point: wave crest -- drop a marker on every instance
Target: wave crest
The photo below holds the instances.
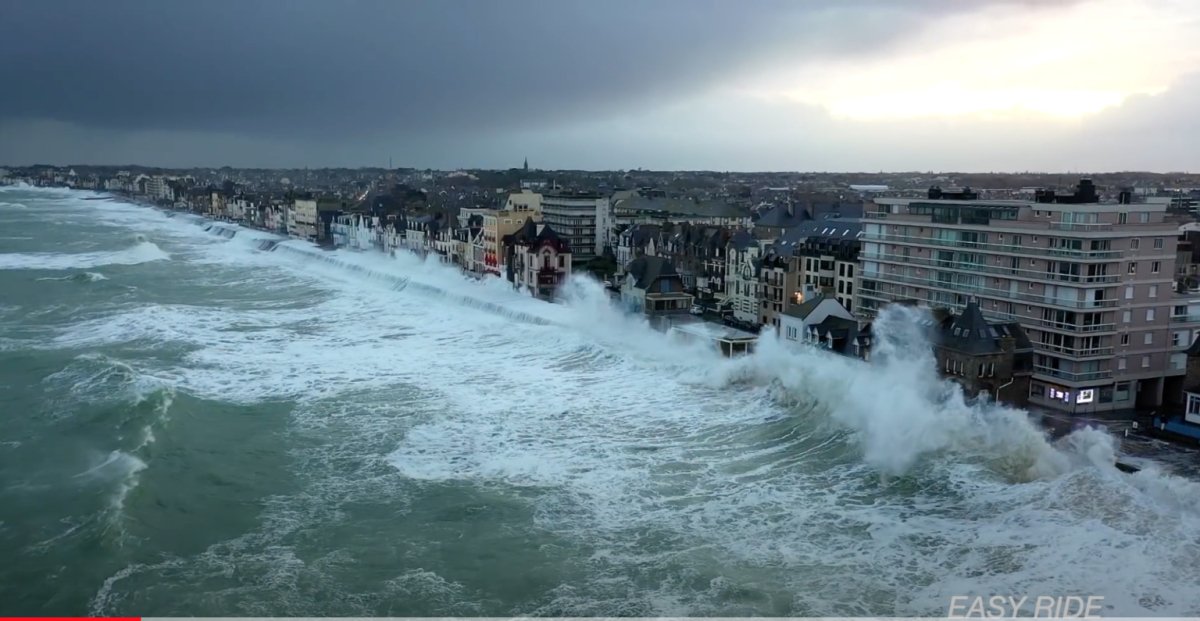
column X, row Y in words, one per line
column 143, row 251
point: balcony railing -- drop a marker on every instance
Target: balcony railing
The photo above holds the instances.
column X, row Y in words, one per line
column 999, row 294
column 985, row 269
column 1072, row 377
column 1008, row 249
column 1074, row 352
column 1185, row 319
column 1081, row 226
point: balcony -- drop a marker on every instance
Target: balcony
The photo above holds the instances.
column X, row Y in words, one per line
column 1185, row 319
column 999, row 294
column 1081, row 226
column 985, row 269
column 1006, row 249
column 1075, row 353
column 1071, row 377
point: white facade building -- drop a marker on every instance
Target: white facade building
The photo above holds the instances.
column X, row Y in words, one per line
column 302, row 219
column 582, row 219
column 743, row 291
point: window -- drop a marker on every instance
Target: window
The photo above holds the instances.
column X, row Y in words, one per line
column 1149, row 314
column 1120, row 364
column 1129, row 292
column 1149, row 339
column 1134, row 243
column 1127, row 316
column 1145, row 362
column 1133, row 268
column 1143, row 217
column 1124, row 339
column 1154, row 267
column 1121, row 392
column 1158, row 243
column 1123, row 218
column 1154, row 288
column 1176, row 337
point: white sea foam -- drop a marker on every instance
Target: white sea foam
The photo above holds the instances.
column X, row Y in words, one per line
column 140, row 252
column 80, row 277
column 759, row 477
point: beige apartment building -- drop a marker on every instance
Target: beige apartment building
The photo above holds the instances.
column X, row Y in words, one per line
column 1091, row 283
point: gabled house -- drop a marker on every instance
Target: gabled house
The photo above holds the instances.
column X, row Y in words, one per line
column 996, row 359
column 537, row 260
column 653, row 286
column 779, row 277
column 822, row 321
column 742, row 287
column 638, row 240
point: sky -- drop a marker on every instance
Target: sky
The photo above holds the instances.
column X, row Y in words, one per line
column 799, row 85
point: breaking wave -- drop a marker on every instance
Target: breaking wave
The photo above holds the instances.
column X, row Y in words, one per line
column 81, row 277
column 636, row 475
column 141, row 252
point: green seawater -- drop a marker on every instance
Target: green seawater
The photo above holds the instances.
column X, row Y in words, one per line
column 191, row 425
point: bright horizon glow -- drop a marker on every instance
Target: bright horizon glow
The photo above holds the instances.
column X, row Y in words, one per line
column 1002, row 64
column 952, row 100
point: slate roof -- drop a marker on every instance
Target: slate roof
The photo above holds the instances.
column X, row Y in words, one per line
column 710, row 208
column 530, row 236
column 647, row 270
column 805, row 308
column 970, row 333
column 742, row 240
column 780, row 218
column 845, row 332
column 641, row 234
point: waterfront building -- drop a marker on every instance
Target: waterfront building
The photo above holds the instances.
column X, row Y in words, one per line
column 698, row 252
column 995, row 359
column 582, row 219
column 536, row 260
column 652, row 286
column 301, row 217
column 1091, row 283
column 495, row 224
column 821, row 321
column 779, row 277
column 635, row 241
column 525, row 201
column 828, row 257
column 743, row 289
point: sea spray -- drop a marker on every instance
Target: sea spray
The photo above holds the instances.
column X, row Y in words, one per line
column 142, row 251
column 416, row 431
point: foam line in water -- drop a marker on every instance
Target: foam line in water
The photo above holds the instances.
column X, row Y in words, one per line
column 142, row 251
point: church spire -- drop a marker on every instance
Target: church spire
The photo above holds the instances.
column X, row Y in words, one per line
column 526, row 164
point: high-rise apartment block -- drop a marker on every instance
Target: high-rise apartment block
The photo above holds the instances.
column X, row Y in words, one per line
column 1092, row 284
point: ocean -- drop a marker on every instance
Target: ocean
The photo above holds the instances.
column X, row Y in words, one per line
column 197, row 421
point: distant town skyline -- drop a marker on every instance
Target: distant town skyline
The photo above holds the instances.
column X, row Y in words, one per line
column 858, row 85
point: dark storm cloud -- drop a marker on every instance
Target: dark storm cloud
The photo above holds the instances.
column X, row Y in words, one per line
column 327, row 70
